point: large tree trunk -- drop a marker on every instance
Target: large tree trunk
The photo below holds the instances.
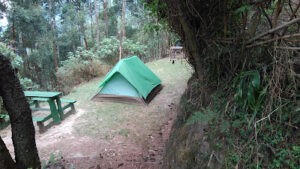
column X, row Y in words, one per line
column 6, row 162
column 105, row 17
column 23, row 134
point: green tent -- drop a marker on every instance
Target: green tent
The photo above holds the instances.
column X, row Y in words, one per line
column 129, row 81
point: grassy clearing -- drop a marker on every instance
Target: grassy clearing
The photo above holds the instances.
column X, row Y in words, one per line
column 106, row 119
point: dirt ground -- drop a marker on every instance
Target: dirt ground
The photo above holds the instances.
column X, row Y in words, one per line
column 137, row 142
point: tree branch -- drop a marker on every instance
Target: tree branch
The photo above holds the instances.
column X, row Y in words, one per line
column 292, row 16
column 274, row 30
column 266, row 15
column 274, row 39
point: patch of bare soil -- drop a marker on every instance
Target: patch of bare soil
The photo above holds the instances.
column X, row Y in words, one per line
column 145, row 151
column 126, row 154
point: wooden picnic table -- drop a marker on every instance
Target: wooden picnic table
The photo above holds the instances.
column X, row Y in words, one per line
column 55, row 104
column 53, row 98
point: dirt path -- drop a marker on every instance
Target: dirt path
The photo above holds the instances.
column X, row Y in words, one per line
column 113, row 135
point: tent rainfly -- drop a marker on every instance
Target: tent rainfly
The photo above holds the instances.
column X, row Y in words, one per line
column 130, row 81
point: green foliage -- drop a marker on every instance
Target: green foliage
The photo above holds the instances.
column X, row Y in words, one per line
column 45, row 32
column 82, row 66
column 17, row 63
column 109, row 50
column 204, row 117
column 238, row 139
column 241, row 10
column 28, row 84
column 54, row 161
column 15, row 59
column 250, row 95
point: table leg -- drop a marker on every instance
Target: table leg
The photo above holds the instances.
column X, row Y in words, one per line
column 36, row 103
column 60, row 110
column 54, row 111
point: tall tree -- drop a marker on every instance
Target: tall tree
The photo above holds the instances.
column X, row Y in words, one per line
column 23, row 133
column 105, row 17
column 97, row 24
column 90, row 6
column 123, row 18
column 53, row 31
column 122, row 32
column 120, row 47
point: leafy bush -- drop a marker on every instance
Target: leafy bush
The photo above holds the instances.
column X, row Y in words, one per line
column 80, row 67
column 28, row 84
column 109, row 49
column 15, row 59
column 250, row 95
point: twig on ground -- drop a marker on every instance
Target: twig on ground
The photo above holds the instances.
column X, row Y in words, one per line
column 210, row 158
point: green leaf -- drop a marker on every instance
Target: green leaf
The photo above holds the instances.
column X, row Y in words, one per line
column 256, row 80
column 262, row 95
column 252, row 118
column 250, row 96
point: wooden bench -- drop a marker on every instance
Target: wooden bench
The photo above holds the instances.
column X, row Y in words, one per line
column 35, row 102
column 70, row 104
column 40, row 121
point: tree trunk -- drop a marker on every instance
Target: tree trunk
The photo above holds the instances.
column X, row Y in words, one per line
column 13, row 35
column 85, row 42
column 121, row 48
column 6, row 162
column 84, row 37
column 123, row 19
column 91, row 17
column 55, row 56
column 123, row 31
column 277, row 12
column 105, row 17
column 23, row 134
column 164, row 44
column 74, row 48
column 54, row 46
column 97, row 24
column 58, row 55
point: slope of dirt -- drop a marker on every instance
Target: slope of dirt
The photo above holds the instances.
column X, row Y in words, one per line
column 113, row 135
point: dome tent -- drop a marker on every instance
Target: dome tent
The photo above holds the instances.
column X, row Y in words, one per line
column 130, row 81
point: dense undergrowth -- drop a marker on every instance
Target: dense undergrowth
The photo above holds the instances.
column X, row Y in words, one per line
column 223, row 134
column 240, row 109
